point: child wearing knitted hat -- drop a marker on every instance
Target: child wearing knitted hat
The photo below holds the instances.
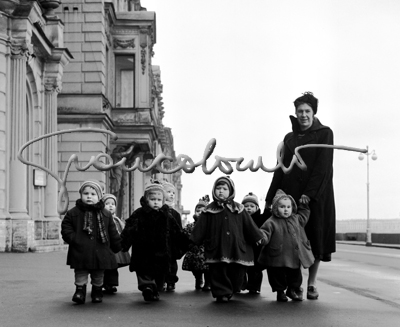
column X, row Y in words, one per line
column 194, row 260
column 89, row 230
column 155, row 237
column 172, row 277
column 111, row 276
column 228, row 233
column 286, row 247
column 254, row 275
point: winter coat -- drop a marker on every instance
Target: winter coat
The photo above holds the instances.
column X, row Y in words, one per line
column 228, row 236
column 315, row 182
column 123, row 258
column 194, row 259
column 155, row 238
column 286, row 244
column 87, row 251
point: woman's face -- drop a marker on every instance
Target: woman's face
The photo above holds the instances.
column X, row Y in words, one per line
column 305, row 116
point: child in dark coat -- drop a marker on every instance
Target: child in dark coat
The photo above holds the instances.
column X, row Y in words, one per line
column 91, row 234
column 286, row 247
column 155, row 238
column 194, row 259
column 254, row 273
column 111, row 276
column 228, row 234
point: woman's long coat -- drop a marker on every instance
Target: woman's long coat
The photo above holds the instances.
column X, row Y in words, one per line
column 287, row 244
column 86, row 251
column 315, row 182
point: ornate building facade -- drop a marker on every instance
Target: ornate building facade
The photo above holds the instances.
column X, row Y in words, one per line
column 66, row 65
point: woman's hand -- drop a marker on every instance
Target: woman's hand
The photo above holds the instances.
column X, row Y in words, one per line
column 304, row 199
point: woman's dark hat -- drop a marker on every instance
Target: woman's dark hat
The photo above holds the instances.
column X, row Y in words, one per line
column 310, row 99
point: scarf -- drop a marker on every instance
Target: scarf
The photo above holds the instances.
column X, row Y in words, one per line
column 93, row 213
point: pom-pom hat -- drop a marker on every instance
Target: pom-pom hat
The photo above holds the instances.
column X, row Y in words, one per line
column 203, row 202
column 93, row 185
column 109, row 196
column 154, row 185
column 308, row 98
column 251, row 197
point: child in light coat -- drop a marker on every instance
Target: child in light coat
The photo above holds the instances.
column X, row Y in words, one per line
column 286, row 247
column 89, row 230
column 228, row 234
column 111, row 276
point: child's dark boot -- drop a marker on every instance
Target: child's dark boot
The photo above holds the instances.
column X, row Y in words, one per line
column 281, row 296
column 80, row 294
column 97, row 294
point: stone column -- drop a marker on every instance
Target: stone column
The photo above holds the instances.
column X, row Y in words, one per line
column 53, row 71
column 18, row 133
column 50, row 158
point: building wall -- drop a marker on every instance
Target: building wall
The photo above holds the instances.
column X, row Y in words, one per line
column 32, row 58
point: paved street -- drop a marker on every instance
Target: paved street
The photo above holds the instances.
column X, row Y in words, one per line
column 36, row 290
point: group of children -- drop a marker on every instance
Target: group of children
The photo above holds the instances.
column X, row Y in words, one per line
column 227, row 247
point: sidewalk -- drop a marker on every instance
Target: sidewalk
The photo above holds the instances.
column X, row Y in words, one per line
column 36, row 290
column 378, row 245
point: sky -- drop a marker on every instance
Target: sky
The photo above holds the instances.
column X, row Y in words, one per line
column 231, row 70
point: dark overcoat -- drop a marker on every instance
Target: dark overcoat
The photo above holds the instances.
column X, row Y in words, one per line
column 155, row 238
column 315, row 182
column 227, row 236
column 286, row 242
column 87, row 251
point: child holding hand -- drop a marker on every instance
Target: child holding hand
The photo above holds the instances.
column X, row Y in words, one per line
column 91, row 234
column 228, row 233
column 286, row 247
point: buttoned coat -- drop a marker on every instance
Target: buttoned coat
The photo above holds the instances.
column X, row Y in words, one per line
column 315, row 182
column 155, row 238
column 286, row 244
column 228, row 236
column 87, row 251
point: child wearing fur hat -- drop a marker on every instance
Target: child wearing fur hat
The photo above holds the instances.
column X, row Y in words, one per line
column 111, row 276
column 155, row 237
column 286, row 247
column 194, row 260
column 228, row 233
column 172, row 277
column 254, row 277
column 89, row 230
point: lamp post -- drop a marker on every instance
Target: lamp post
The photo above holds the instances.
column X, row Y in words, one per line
column 373, row 157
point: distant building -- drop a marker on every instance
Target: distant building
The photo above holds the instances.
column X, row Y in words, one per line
column 67, row 65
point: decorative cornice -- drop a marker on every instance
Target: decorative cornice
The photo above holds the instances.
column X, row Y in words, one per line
column 124, row 44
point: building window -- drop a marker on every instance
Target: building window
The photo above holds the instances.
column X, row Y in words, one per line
column 125, row 81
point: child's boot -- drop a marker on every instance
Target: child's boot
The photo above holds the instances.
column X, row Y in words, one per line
column 80, row 294
column 207, row 282
column 199, row 280
column 97, row 294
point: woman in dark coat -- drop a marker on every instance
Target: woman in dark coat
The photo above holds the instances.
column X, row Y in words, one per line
column 312, row 186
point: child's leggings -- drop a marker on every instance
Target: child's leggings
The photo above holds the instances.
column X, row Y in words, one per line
column 226, row 278
column 281, row 278
column 96, row 276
